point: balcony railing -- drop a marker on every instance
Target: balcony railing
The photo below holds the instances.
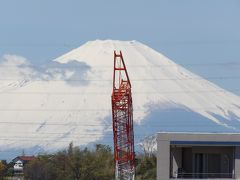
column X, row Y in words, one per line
column 203, row 175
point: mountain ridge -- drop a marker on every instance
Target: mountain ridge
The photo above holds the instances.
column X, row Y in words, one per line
column 69, row 98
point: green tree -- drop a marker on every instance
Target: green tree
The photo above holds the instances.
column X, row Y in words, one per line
column 2, row 169
column 104, row 163
column 146, row 167
column 10, row 170
column 41, row 168
column 73, row 164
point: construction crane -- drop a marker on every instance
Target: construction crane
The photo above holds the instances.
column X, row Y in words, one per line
column 122, row 117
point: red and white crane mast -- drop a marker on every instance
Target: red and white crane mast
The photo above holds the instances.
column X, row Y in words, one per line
column 122, row 116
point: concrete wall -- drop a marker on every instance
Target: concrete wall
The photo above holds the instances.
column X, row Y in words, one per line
column 163, row 157
column 237, row 162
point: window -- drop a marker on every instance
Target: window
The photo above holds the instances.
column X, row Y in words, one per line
column 201, row 162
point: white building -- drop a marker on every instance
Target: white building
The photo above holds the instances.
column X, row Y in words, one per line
column 18, row 166
column 198, row 156
column 19, row 163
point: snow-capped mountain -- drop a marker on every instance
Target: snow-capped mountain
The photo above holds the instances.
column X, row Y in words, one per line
column 69, row 99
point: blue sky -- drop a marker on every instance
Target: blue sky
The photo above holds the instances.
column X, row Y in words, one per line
column 190, row 32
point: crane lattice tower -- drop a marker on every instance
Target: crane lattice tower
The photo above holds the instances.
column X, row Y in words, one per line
column 122, row 116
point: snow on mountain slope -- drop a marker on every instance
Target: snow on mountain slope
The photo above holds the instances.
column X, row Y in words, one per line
column 69, row 98
column 157, row 85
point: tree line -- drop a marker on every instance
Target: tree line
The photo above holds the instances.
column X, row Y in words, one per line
column 81, row 164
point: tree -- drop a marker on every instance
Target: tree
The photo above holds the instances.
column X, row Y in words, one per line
column 146, row 167
column 41, row 168
column 73, row 163
column 2, row 169
column 104, row 162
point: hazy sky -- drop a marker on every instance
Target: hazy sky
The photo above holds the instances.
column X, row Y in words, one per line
column 202, row 35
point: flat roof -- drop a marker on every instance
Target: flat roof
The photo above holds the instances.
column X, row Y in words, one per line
column 195, row 138
column 166, row 132
column 209, row 143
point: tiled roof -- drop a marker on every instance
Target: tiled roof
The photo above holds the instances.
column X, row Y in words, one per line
column 26, row 158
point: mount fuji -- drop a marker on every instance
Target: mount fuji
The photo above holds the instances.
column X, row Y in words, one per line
column 69, row 99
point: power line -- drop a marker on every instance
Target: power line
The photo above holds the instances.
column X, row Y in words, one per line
column 110, row 80
column 37, row 45
column 62, row 65
column 107, row 94
column 174, row 124
column 124, row 44
column 40, row 123
column 68, row 139
column 58, row 110
column 109, row 110
column 53, row 140
column 108, row 133
column 40, row 138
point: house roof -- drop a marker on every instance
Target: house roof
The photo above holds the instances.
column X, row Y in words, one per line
column 24, row 158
